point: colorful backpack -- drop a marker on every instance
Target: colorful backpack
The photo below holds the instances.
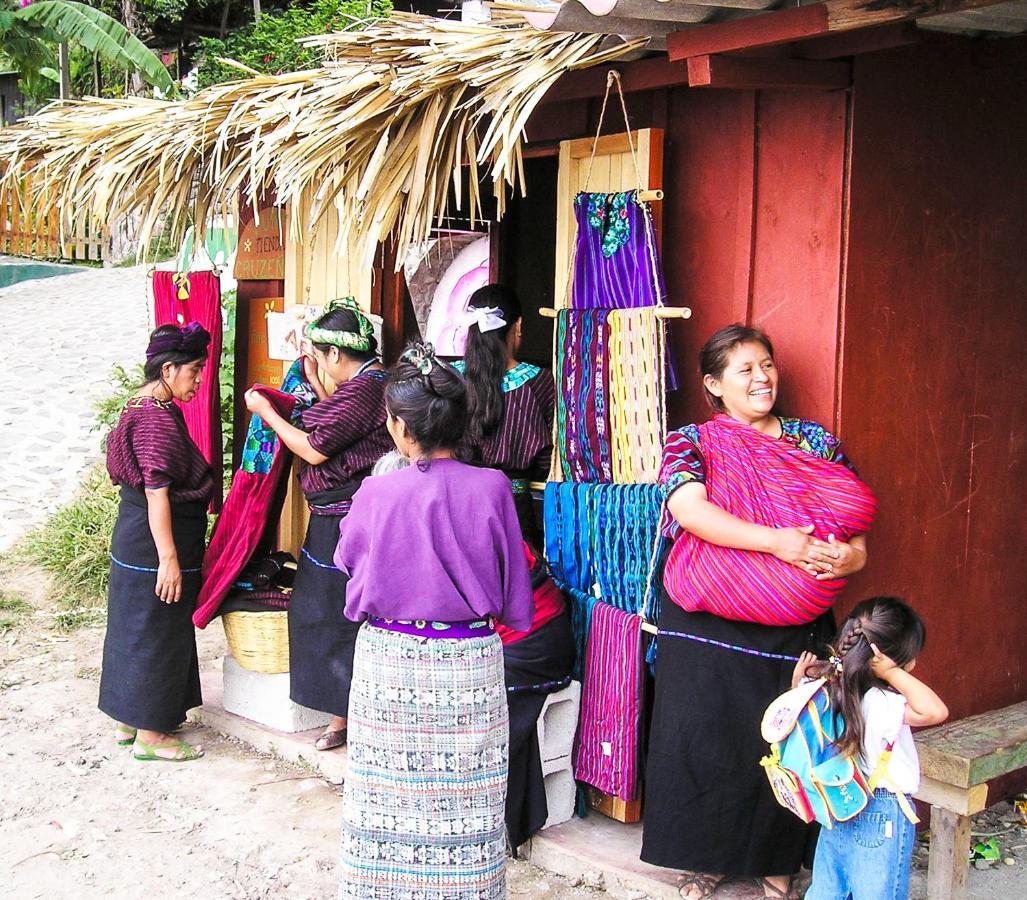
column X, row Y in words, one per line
column 808, row 774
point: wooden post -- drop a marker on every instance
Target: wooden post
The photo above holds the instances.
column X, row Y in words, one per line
column 950, row 849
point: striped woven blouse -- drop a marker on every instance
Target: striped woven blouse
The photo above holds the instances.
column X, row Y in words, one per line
column 349, row 428
column 150, row 448
column 523, row 443
column 683, row 459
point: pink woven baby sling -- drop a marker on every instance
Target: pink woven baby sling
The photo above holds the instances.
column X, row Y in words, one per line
column 770, row 482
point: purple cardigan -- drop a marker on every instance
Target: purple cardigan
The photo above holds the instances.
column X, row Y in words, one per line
column 441, row 544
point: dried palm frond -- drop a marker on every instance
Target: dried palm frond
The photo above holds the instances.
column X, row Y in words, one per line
column 378, row 132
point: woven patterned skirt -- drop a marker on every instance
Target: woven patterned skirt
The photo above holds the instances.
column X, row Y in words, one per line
column 423, row 803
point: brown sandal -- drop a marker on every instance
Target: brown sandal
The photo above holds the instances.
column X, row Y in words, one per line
column 705, row 883
column 331, row 739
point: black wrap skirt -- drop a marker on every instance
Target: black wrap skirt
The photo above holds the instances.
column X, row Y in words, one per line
column 535, row 667
column 322, row 640
column 150, row 675
column 708, row 805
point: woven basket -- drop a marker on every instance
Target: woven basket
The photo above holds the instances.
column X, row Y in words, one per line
column 259, row 641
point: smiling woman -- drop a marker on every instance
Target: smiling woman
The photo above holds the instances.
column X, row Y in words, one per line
column 766, row 521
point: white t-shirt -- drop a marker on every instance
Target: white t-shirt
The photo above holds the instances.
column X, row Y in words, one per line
column 883, row 713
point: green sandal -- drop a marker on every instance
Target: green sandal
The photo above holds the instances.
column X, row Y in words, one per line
column 178, row 752
column 124, row 735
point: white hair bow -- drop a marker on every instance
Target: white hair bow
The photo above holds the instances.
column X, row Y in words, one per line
column 486, row 318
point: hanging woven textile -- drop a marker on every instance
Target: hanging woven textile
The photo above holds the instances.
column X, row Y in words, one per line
column 616, row 265
column 638, row 418
column 178, row 298
column 249, row 521
column 603, row 535
column 606, row 751
column 583, row 373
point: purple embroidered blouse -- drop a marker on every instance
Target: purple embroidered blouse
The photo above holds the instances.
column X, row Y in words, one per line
column 349, row 428
column 441, row 544
column 150, row 448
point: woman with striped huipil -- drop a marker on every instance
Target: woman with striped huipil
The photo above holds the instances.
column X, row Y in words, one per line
column 766, row 522
column 510, row 428
column 338, row 440
column 150, row 676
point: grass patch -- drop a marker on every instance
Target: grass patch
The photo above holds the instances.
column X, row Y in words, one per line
column 13, row 609
column 74, row 546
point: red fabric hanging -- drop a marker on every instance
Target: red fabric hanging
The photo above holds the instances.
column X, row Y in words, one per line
column 251, row 513
column 202, row 304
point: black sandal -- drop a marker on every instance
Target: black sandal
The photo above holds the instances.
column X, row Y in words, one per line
column 707, row 884
column 777, row 894
column 331, row 739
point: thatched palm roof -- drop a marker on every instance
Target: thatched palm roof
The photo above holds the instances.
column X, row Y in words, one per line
column 379, row 131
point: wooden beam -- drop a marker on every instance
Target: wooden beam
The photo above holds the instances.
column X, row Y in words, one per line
column 756, row 31
column 747, row 73
column 950, row 848
column 964, row 801
column 642, row 75
column 864, row 40
column 805, row 22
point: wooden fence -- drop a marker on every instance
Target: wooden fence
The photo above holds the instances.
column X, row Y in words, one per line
column 24, row 233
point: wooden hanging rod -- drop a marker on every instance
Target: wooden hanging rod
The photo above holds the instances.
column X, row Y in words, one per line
column 662, row 312
column 650, row 196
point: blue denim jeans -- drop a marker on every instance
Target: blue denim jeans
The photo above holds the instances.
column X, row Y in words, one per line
column 867, row 858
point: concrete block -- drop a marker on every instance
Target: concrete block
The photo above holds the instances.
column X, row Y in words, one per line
column 560, row 795
column 265, row 699
column 557, row 725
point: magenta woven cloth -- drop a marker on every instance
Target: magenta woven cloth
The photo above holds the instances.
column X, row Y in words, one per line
column 203, row 414
column 606, row 752
column 250, row 516
column 769, row 482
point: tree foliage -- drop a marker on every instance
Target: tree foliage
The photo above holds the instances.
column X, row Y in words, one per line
column 30, row 33
column 270, row 46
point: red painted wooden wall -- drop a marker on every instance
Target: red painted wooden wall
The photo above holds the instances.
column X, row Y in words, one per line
column 934, row 373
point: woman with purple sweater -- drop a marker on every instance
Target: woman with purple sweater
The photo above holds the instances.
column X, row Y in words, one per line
column 434, row 557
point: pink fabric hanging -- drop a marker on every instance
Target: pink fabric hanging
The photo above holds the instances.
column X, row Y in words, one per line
column 203, row 305
column 606, row 752
column 251, row 509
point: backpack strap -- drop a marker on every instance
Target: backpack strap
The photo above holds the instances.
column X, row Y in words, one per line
column 879, row 778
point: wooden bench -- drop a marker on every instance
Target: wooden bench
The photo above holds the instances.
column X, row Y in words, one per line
column 956, row 761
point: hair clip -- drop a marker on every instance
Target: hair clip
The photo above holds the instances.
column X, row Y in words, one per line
column 487, row 318
column 421, row 357
column 836, row 663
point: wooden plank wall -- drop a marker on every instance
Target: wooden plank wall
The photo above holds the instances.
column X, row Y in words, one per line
column 24, row 233
column 933, row 380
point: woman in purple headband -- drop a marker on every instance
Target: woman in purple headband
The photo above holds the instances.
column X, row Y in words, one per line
column 150, row 674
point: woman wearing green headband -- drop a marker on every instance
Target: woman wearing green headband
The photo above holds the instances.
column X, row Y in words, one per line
column 338, row 440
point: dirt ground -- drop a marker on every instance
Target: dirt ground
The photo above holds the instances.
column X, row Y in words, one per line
column 79, row 817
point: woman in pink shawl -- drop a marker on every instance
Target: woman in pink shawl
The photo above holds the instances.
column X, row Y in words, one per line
column 766, row 521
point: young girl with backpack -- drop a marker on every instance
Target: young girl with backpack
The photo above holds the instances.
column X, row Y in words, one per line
column 871, row 686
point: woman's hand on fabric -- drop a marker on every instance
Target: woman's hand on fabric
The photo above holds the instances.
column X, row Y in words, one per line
column 806, row 659
column 257, row 403
column 792, row 545
column 836, row 559
column 169, row 581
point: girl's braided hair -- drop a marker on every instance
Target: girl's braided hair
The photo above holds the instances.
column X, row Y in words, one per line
column 896, row 630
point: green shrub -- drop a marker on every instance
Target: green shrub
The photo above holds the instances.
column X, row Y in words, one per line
column 269, row 46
